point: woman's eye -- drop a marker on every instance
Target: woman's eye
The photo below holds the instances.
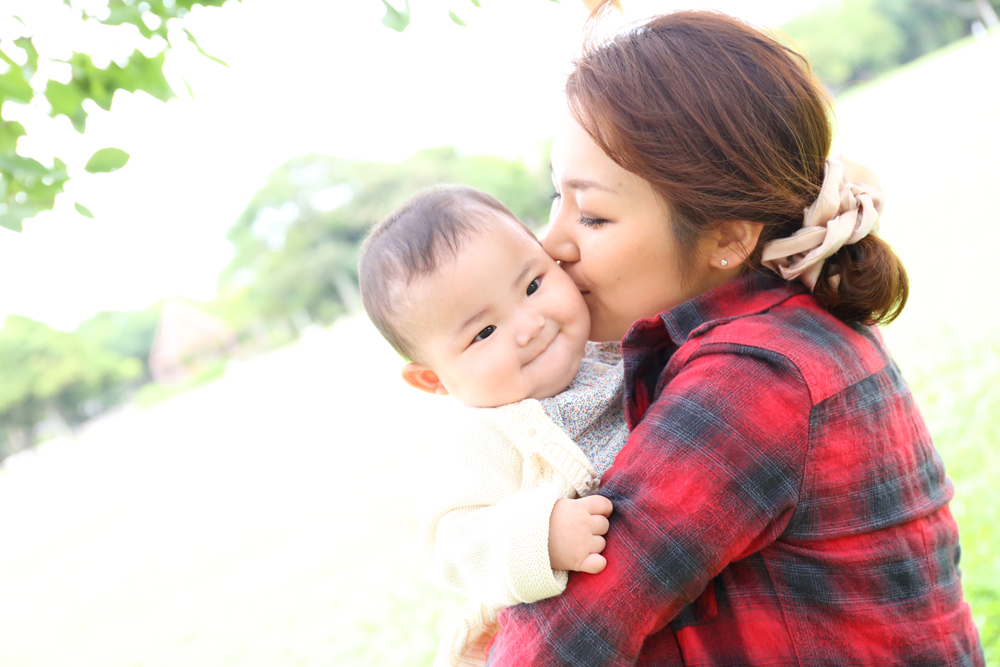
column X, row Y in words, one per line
column 592, row 222
column 533, row 286
column 555, row 195
column 485, row 333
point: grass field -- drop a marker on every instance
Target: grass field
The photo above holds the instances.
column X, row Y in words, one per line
column 267, row 518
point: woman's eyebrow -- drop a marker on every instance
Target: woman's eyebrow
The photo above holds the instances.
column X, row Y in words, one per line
column 584, row 184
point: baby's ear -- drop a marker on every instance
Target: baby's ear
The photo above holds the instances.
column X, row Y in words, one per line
column 422, row 378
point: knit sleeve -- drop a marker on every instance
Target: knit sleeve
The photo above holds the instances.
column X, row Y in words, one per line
column 483, row 535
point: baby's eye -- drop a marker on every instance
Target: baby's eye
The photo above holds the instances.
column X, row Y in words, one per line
column 592, row 222
column 533, row 286
column 485, row 333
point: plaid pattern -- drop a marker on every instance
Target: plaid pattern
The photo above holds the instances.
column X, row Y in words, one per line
column 779, row 502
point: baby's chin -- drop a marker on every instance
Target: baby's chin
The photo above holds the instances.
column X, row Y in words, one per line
column 538, row 393
column 566, row 377
column 563, row 376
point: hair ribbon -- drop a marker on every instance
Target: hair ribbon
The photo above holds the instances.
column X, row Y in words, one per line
column 846, row 211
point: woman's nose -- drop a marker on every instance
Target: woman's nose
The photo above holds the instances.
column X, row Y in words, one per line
column 529, row 327
column 558, row 242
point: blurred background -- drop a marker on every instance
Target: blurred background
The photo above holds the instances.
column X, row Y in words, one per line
column 207, row 455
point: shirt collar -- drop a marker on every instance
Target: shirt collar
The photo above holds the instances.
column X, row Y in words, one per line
column 749, row 294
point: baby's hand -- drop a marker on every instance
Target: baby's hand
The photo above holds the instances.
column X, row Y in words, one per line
column 575, row 530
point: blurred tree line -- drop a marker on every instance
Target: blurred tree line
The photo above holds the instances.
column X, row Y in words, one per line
column 856, row 40
column 65, row 378
column 294, row 263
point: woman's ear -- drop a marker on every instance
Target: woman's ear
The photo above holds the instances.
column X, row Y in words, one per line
column 422, row 378
column 734, row 241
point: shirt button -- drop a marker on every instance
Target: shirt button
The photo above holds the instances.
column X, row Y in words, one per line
column 531, row 432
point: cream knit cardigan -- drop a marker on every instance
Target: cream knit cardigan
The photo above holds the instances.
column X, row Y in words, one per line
column 486, row 530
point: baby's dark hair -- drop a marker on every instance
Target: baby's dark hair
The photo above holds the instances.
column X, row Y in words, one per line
column 411, row 242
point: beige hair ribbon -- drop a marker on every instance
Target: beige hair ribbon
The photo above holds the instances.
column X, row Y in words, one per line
column 847, row 210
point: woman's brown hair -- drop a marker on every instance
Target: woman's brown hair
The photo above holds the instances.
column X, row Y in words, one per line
column 726, row 123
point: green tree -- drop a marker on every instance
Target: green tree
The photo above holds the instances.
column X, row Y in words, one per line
column 128, row 334
column 48, row 372
column 28, row 187
column 926, row 25
column 849, row 42
column 296, row 243
column 855, row 40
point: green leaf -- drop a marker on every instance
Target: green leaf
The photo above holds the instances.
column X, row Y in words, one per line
column 67, row 99
column 395, row 19
column 454, row 17
column 83, row 210
column 139, row 73
column 476, row 3
column 12, row 213
column 26, row 44
column 22, row 167
column 202, row 51
column 188, row 4
column 107, row 159
column 13, row 84
column 11, row 223
column 120, row 13
column 10, row 132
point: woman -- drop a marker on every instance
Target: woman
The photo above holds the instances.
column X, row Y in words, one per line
column 779, row 501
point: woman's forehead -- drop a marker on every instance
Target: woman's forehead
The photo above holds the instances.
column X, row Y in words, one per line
column 578, row 163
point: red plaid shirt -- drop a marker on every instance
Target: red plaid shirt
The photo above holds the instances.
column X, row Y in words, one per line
column 779, row 502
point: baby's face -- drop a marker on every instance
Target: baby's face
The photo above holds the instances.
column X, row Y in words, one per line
column 501, row 322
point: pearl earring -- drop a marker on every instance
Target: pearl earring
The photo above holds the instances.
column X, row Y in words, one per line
column 724, row 263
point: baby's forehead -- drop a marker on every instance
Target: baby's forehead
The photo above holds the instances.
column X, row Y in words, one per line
column 489, row 220
column 447, row 256
column 410, row 291
column 416, row 299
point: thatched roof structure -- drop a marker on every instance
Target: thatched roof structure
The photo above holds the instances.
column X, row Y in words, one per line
column 185, row 337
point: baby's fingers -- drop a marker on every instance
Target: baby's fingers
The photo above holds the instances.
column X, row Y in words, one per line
column 593, row 563
column 598, row 505
column 599, row 524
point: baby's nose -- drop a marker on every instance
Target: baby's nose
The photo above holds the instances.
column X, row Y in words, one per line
column 531, row 326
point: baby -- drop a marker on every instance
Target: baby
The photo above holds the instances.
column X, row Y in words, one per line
column 459, row 286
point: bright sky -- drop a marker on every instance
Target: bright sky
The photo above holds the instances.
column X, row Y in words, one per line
column 305, row 76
